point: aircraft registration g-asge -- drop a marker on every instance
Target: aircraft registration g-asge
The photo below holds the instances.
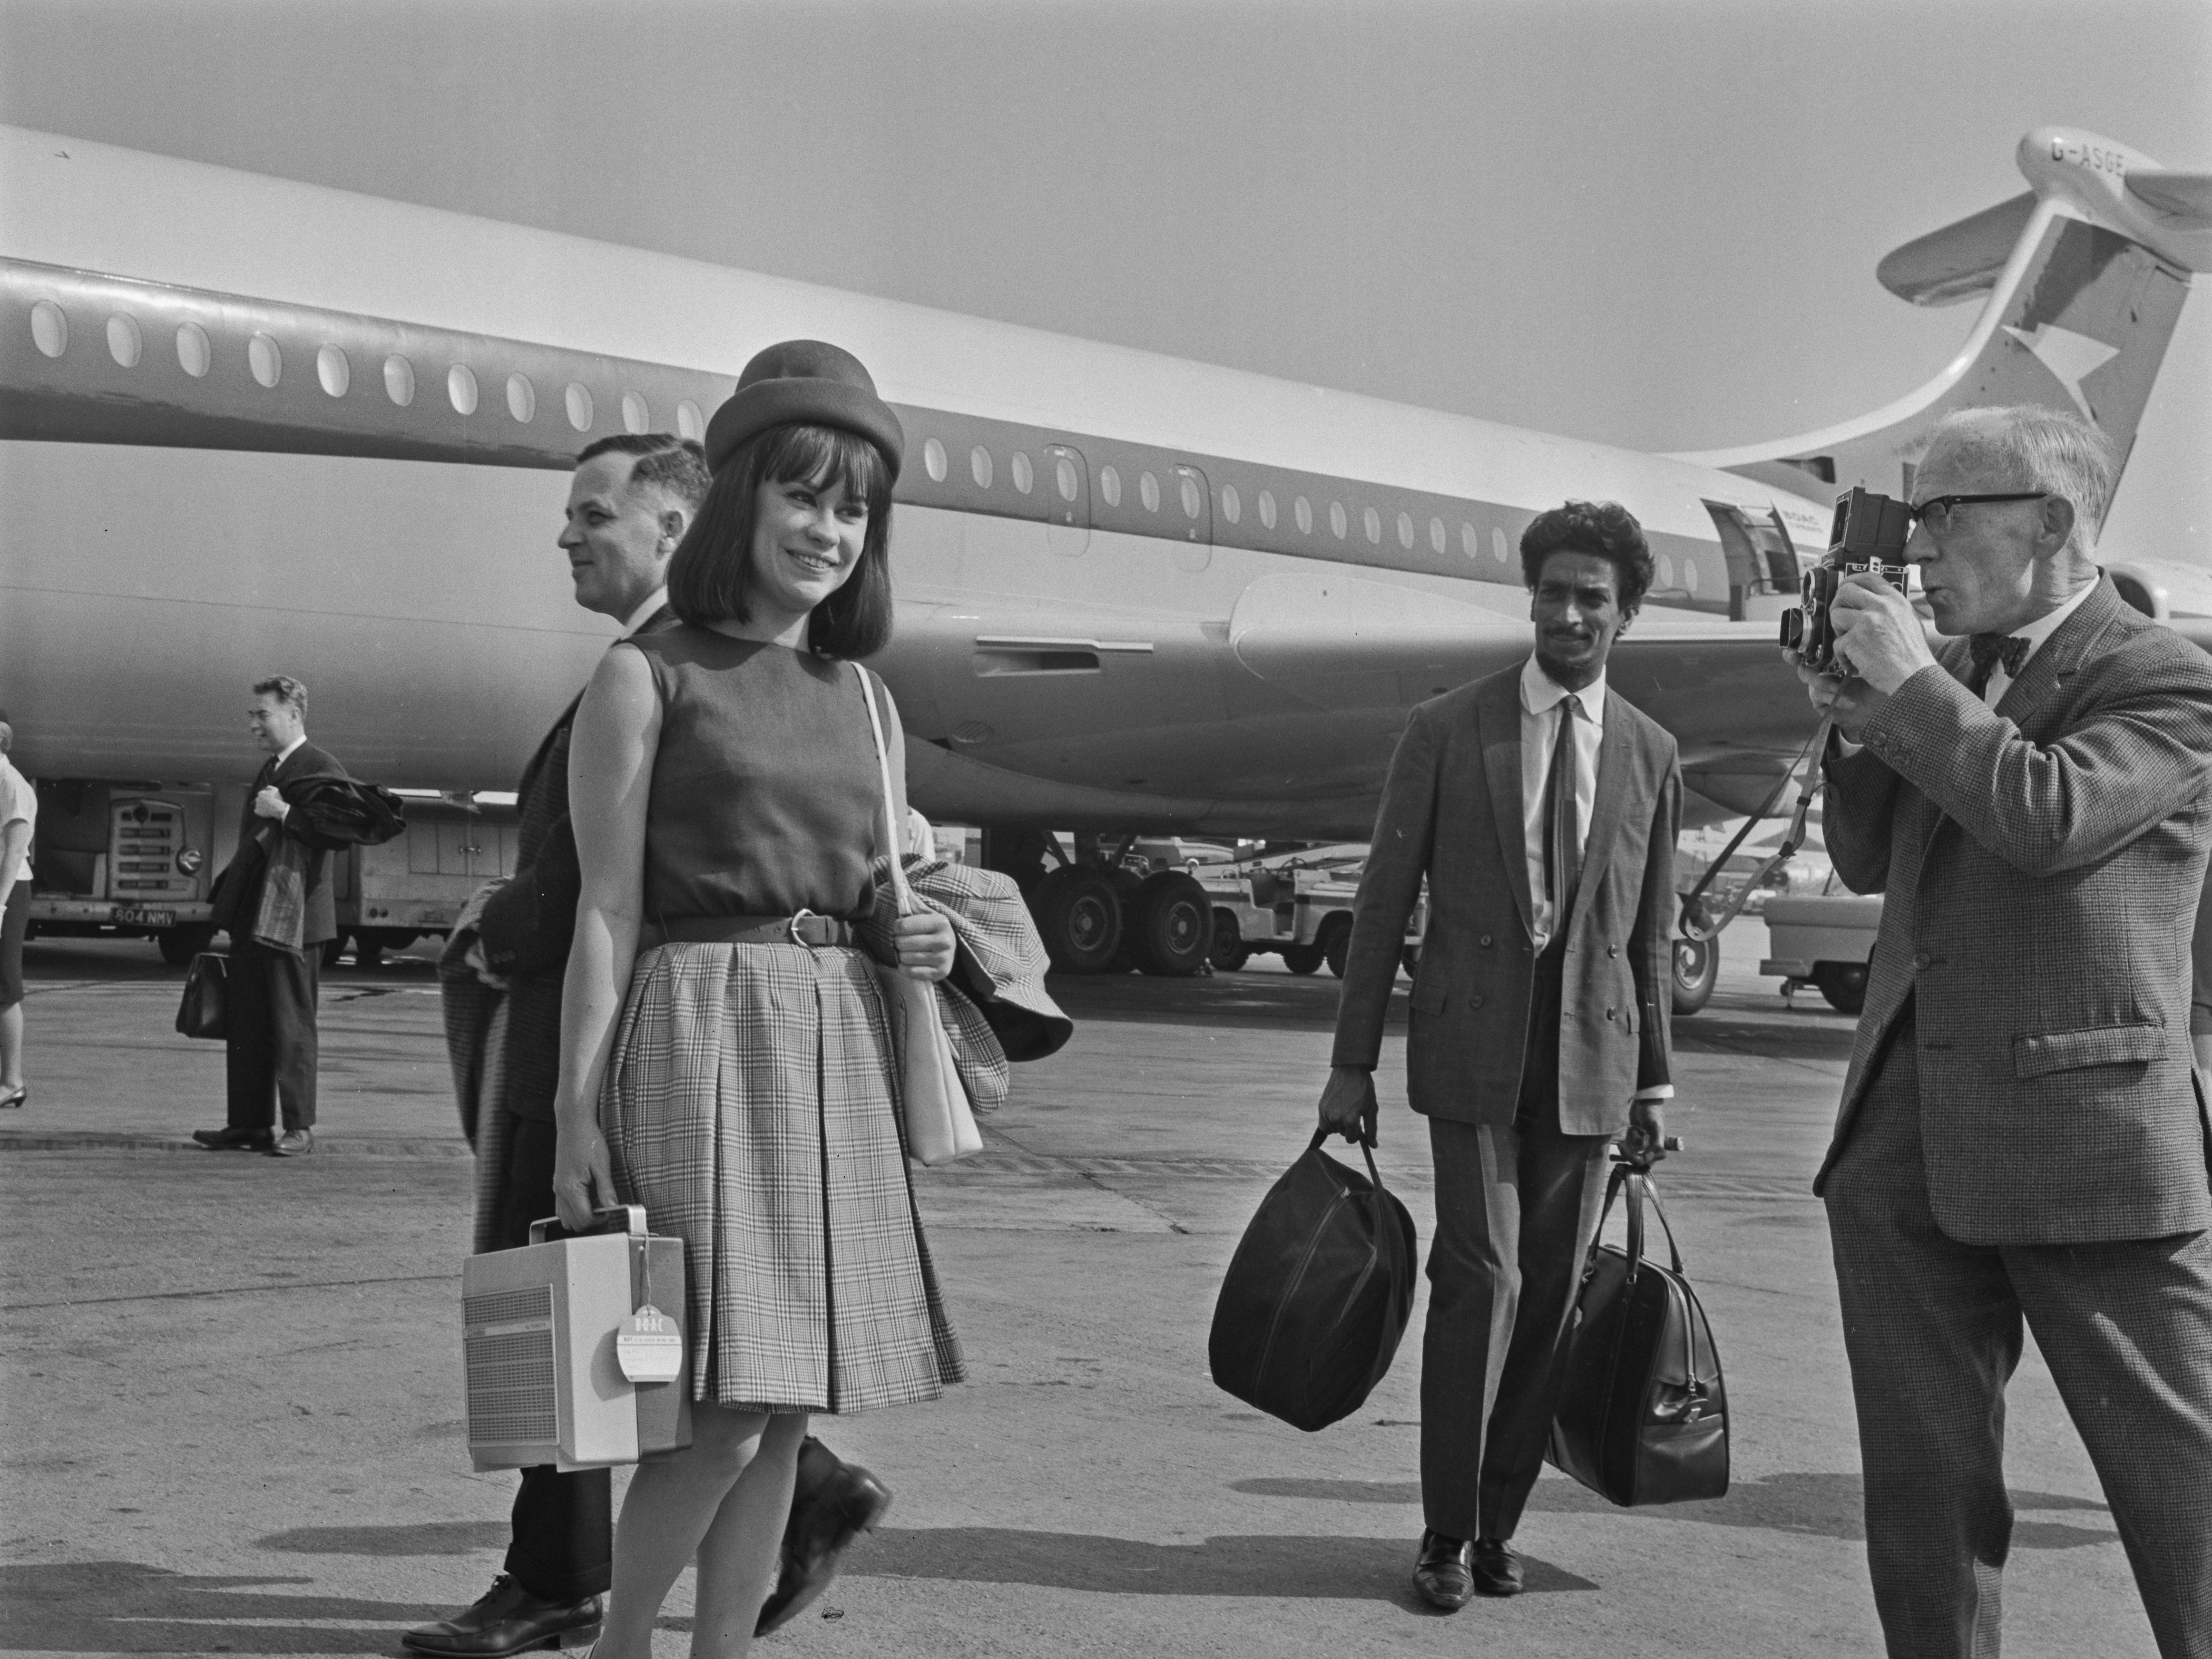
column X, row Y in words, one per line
column 249, row 426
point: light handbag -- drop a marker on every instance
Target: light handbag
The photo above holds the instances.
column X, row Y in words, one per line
column 205, row 1009
column 940, row 1124
column 1642, row 1415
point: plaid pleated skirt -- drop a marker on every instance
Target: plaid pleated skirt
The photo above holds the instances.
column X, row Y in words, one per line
column 750, row 1106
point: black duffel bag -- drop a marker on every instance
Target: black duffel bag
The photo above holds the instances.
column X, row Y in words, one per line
column 1642, row 1415
column 205, row 1009
column 1317, row 1294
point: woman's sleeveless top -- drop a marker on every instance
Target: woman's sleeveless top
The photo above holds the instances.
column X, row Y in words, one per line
column 766, row 798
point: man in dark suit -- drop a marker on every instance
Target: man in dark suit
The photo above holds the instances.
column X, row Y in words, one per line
column 1543, row 810
column 271, row 1049
column 2022, row 1136
column 631, row 500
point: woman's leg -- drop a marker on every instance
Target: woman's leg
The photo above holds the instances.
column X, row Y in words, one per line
column 672, row 1504
column 738, row 1556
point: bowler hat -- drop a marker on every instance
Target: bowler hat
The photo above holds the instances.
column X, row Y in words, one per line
column 804, row 383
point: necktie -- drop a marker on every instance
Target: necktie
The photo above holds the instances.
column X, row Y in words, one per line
column 1989, row 649
column 1563, row 841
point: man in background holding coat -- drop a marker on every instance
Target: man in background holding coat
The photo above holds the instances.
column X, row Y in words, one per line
column 631, row 500
column 1543, row 810
column 2023, row 1136
column 274, row 899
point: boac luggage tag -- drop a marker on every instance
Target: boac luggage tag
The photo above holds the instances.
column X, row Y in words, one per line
column 648, row 1348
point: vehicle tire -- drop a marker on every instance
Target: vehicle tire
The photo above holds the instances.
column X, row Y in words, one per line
column 1844, row 984
column 1335, row 942
column 368, row 950
column 1229, row 952
column 180, row 944
column 1697, row 967
column 1170, row 926
column 1079, row 917
column 1302, row 958
column 332, row 950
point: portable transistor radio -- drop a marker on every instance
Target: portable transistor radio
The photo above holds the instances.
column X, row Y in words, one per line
column 575, row 1348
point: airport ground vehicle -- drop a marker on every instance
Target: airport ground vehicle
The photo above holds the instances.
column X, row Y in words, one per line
column 139, row 860
column 1824, row 939
column 1297, row 905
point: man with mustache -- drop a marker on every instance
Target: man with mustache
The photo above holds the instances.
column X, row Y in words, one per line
column 1542, row 809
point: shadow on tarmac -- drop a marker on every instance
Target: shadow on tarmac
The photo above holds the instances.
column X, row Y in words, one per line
column 423, row 1538
column 1280, row 1566
column 1819, row 1505
column 125, row 1606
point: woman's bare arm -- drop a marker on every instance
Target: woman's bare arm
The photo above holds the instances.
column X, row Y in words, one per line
column 611, row 754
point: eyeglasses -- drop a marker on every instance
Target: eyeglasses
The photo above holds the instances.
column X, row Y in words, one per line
column 1935, row 512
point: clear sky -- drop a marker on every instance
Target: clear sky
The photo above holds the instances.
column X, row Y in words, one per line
column 1650, row 223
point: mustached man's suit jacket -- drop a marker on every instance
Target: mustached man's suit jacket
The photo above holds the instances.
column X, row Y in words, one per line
column 2042, row 863
column 1451, row 810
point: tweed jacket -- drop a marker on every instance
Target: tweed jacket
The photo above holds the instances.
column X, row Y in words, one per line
column 2042, row 863
column 526, row 924
column 237, row 900
column 1451, row 811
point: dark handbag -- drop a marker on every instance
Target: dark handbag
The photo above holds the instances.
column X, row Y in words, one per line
column 205, row 1011
column 1317, row 1294
column 1642, row 1415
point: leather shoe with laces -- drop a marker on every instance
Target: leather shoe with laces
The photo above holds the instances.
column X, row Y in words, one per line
column 832, row 1503
column 294, row 1143
column 507, row 1619
column 1497, row 1569
column 1443, row 1575
column 234, row 1141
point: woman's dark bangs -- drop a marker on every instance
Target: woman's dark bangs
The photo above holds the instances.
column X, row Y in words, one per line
column 827, row 455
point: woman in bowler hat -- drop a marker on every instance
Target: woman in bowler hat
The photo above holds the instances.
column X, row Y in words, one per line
column 724, row 1057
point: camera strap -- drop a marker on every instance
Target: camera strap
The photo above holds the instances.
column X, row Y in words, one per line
column 1791, row 840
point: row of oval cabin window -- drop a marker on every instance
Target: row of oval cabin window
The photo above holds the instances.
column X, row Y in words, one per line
column 983, row 469
column 265, row 358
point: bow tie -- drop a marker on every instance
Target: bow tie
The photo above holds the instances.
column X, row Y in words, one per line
column 2009, row 649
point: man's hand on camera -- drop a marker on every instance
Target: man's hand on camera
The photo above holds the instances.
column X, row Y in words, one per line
column 1879, row 633
column 1347, row 1104
column 1847, row 702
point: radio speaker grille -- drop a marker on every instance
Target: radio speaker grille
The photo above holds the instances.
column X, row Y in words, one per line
column 512, row 1397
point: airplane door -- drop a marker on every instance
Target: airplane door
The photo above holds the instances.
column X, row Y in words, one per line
column 1761, row 561
column 1068, row 527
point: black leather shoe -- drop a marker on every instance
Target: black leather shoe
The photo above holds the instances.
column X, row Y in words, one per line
column 507, row 1619
column 235, row 1140
column 1497, row 1569
column 832, row 1503
column 1442, row 1574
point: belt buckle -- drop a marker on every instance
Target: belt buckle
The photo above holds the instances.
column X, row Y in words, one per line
column 799, row 937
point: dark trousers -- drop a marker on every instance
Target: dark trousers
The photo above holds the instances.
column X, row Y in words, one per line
column 1933, row 1329
column 561, row 1535
column 271, row 1052
column 1516, row 1205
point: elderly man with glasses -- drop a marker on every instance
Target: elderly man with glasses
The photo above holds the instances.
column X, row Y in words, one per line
column 2022, row 1139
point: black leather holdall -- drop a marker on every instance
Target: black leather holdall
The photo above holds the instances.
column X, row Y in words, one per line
column 1642, row 1415
column 1317, row 1294
column 205, row 1009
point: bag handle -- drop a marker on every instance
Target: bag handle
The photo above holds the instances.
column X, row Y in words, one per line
column 618, row 1218
column 1366, row 1151
column 900, row 890
column 1636, row 1182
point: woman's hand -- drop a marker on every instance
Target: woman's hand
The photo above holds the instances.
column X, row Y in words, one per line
column 583, row 1179
column 925, row 945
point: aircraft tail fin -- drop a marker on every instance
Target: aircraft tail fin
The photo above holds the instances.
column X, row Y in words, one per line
column 2084, row 274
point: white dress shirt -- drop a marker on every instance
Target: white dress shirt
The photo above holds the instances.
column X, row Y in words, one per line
column 652, row 603
column 1544, row 703
column 2035, row 634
